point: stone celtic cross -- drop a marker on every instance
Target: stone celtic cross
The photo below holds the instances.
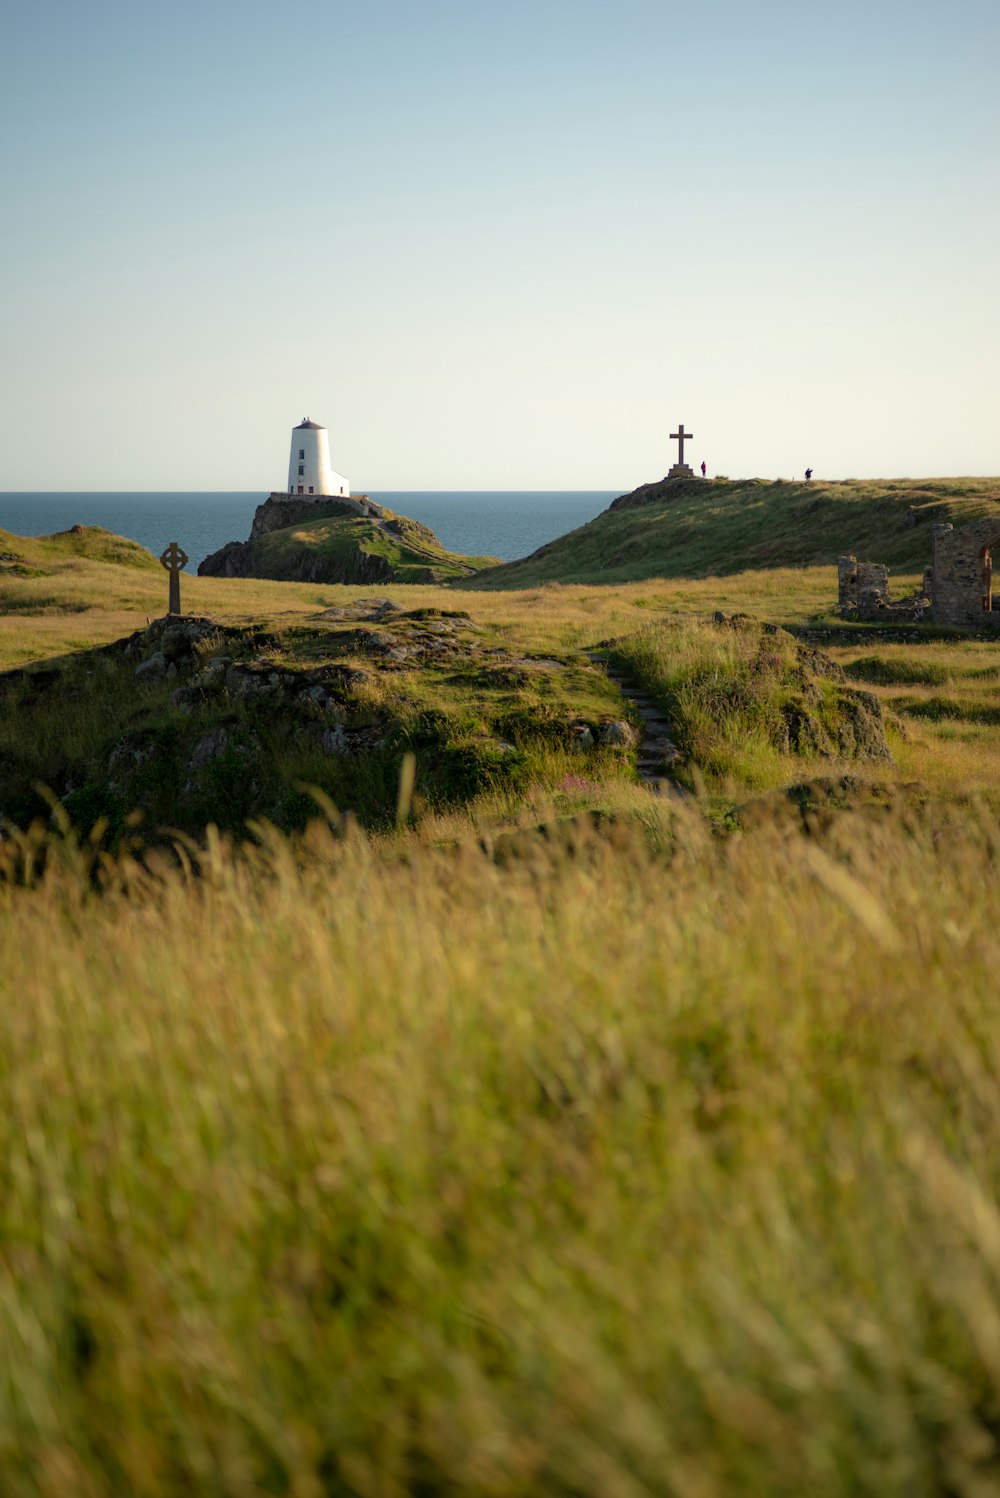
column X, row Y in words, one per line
column 174, row 559
column 681, row 437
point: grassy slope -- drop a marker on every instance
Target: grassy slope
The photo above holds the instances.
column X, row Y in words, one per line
column 411, row 550
column 45, row 555
column 748, row 706
column 716, row 528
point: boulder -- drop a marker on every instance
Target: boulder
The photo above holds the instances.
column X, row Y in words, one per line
column 154, row 668
column 210, row 746
column 335, row 741
column 618, row 733
column 179, row 640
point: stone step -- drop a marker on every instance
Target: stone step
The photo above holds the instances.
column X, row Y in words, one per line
column 656, row 745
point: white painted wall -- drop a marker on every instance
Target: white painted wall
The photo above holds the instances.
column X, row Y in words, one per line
column 309, row 470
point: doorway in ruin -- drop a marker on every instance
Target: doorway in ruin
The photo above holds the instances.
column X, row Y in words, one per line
column 986, row 575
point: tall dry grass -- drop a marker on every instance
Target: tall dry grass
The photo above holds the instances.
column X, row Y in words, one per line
column 618, row 1163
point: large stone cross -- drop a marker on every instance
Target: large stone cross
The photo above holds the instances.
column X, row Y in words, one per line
column 173, row 558
column 681, row 436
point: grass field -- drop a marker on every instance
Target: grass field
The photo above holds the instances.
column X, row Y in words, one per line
column 563, row 1140
column 68, row 601
column 946, row 700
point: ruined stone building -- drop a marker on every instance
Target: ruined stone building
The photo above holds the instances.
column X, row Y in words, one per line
column 862, row 587
column 957, row 587
column 863, row 593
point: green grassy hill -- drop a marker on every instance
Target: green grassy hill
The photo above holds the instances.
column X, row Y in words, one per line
column 694, row 528
column 39, row 556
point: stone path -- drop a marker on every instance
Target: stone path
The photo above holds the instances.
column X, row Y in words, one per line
column 657, row 749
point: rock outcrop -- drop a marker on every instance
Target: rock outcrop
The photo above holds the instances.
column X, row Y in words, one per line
column 337, row 540
column 278, row 512
column 658, row 492
column 282, row 510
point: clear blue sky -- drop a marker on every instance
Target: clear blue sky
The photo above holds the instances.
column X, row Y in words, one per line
column 497, row 245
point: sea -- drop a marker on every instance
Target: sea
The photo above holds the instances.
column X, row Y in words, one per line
column 484, row 522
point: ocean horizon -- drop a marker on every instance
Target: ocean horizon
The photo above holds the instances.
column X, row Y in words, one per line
column 478, row 522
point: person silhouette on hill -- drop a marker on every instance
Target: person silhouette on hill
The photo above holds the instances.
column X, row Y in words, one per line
column 809, row 474
column 704, row 468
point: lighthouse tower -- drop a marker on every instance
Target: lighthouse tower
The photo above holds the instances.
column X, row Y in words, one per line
column 309, row 470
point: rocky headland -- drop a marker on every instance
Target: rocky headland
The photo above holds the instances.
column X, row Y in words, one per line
column 338, row 540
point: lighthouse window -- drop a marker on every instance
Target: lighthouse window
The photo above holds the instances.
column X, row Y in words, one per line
column 310, row 488
column 301, row 470
column 302, row 453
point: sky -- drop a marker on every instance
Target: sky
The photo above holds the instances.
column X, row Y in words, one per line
column 497, row 245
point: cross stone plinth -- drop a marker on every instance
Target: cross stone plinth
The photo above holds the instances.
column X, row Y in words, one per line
column 174, row 559
column 681, row 470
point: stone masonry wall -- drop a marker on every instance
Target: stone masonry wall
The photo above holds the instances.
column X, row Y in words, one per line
column 862, row 587
column 958, row 566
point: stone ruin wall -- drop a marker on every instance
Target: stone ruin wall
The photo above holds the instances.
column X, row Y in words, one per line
column 863, row 593
column 959, row 583
column 954, row 587
column 861, row 587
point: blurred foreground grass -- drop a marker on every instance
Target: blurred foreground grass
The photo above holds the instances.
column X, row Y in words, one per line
column 626, row 1162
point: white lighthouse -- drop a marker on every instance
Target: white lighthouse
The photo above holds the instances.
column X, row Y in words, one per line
column 309, row 470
